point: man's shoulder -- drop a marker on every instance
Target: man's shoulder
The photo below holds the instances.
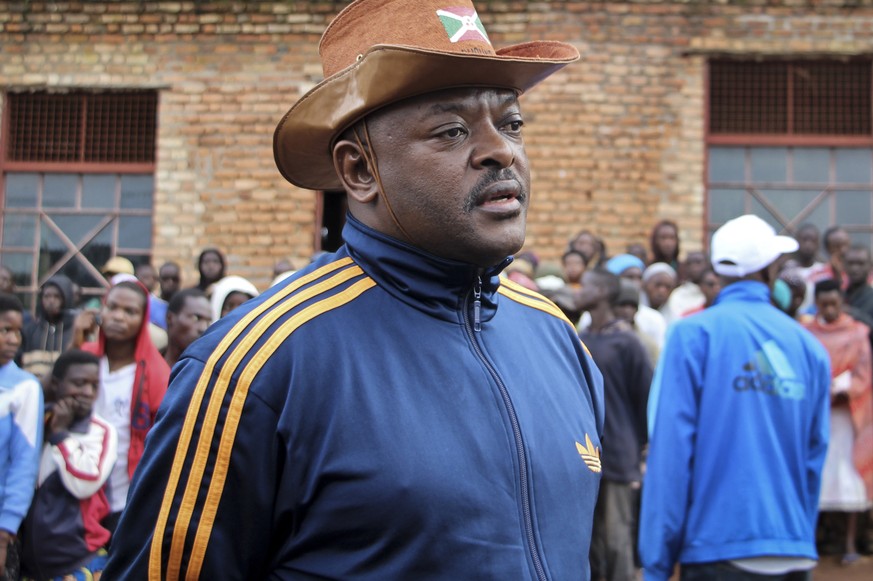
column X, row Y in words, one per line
column 862, row 299
column 532, row 302
column 287, row 306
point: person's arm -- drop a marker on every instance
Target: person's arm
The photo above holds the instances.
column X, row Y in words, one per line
column 640, row 381
column 201, row 503
column 820, row 431
column 24, row 448
column 84, row 461
column 672, row 423
column 861, row 375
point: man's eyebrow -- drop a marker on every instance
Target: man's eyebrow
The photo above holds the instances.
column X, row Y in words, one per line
column 449, row 107
column 437, row 108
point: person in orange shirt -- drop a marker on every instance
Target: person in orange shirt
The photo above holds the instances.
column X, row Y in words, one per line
column 847, row 479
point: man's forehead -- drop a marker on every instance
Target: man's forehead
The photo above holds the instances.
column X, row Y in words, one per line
column 455, row 100
column 858, row 254
column 80, row 369
column 197, row 305
column 10, row 317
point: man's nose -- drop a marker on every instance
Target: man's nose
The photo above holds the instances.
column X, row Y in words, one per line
column 493, row 148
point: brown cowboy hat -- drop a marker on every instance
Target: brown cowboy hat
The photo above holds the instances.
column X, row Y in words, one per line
column 378, row 52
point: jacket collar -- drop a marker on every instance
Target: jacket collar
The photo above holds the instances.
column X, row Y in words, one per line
column 744, row 290
column 437, row 286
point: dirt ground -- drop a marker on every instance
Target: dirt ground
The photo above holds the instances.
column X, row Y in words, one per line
column 829, row 569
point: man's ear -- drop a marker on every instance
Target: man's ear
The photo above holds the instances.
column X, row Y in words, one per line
column 354, row 171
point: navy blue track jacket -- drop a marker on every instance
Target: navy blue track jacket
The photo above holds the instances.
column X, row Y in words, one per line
column 353, row 423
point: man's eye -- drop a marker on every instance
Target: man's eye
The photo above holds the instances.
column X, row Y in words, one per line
column 454, row 132
column 515, row 126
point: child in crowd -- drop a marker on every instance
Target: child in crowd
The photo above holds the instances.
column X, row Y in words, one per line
column 62, row 537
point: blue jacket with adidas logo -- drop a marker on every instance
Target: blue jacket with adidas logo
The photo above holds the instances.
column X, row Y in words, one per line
column 738, row 421
column 369, row 418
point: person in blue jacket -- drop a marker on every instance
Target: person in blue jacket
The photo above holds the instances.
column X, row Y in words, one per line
column 21, row 405
column 738, row 428
column 394, row 410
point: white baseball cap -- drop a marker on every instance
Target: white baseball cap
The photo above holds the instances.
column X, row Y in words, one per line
column 747, row 244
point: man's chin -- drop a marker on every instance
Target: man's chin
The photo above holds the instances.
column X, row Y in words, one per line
column 496, row 253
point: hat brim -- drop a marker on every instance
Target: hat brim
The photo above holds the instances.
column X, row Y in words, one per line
column 387, row 74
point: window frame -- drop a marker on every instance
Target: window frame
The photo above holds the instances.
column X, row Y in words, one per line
column 826, row 193
column 80, row 168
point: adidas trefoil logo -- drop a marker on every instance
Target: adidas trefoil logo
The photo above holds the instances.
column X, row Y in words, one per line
column 590, row 454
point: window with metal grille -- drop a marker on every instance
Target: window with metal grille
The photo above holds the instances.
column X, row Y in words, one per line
column 791, row 141
column 76, row 184
column 814, row 97
column 82, row 127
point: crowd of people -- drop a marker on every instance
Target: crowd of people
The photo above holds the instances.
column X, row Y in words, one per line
column 642, row 293
column 103, row 371
column 82, row 381
column 413, row 406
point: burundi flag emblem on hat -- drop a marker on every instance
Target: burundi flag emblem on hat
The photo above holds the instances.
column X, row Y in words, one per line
column 462, row 24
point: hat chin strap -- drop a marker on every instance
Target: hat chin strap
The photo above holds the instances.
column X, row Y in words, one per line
column 369, row 154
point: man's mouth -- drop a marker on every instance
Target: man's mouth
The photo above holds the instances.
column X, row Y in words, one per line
column 113, row 329
column 504, row 195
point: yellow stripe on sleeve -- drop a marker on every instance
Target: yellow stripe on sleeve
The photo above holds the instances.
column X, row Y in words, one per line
column 536, row 301
column 222, row 383
column 155, row 554
column 228, row 435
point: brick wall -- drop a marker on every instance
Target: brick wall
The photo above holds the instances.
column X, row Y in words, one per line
column 616, row 142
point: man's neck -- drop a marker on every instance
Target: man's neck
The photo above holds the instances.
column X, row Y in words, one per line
column 855, row 287
column 120, row 354
column 54, row 320
column 805, row 261
column 601, row 316
column 172, row 354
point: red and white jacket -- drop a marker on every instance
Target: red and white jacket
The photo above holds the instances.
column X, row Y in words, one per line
column 62, row 528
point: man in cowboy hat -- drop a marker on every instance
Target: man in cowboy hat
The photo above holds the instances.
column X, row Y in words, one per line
column 394, row 410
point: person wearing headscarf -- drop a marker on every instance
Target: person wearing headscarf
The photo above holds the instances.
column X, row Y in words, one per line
column 133, row 379
column 229, row 293
column 648, row 320
column 847, row 478
column 659, row 280
column 664, row 243
column 211, row 266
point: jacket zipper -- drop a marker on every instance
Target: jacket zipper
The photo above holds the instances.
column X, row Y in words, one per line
column 471, row 329
column 477, row 304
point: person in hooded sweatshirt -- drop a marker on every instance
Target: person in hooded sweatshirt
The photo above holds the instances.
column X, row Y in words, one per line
column 229, row 293
column 133, row 379
column 50, row 333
